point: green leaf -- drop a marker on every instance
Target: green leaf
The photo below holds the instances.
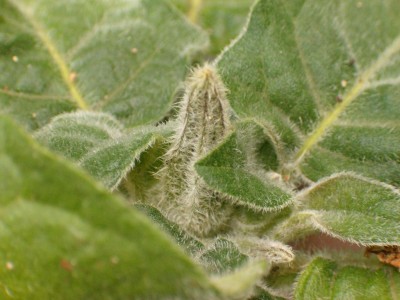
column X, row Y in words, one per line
column 223, row 20
column 99, row 144
column 111, row 162
column 75, row 134
column 324, row 279
column 232, row 169
column 222, row 256
column 191, row 245
column 330, row 69
column 354, row 208
column 64, row 237
column 104, row 56
column 141, row 182
column 240, row 283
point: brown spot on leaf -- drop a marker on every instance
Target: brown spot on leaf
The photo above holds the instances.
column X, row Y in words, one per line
column 66, row 265
column 73, row 76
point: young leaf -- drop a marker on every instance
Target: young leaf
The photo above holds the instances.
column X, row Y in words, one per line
column 64, row 237
column 100, row 57
column 328, row 67
column 75, row 134
column 99, row 144
column 222, row 257
column 240, row 283
column 203, row 121
column 324, row 279
column 355, row 209
column 232, row 169
column 111, row 162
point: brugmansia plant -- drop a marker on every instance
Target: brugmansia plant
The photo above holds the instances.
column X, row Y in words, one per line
column 271, row 170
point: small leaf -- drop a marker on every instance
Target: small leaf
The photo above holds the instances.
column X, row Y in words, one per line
column 75, row 134
column 99, row 144
column 111, row 162
column 64, row 237
column 100, row 56
column 240, row 283
column 203, row 121
column 274, row 251
column 324, row 279
column 222, row 257
column 232, row 170
column 355, row 209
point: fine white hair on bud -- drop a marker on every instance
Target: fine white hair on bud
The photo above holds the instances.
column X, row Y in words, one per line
column 202, row 122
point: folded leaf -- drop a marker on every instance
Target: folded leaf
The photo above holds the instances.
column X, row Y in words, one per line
column 232, row 169
column 75, row 134
column 99, row 144
column 111, row 162
column 355, row 209
column 240, row 284
column 64, row 237
column 329, row 69
column 324, row 279
column 223, row 256
column 57, row 55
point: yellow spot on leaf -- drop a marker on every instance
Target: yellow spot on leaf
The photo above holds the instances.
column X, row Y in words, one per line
column 9, row 265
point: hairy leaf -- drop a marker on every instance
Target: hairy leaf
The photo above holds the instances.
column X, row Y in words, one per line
column 191, row 245
column 354, row 208
column 63, row 237
column 99, row 144
column 324, row 279
column 222, row 256
column 123, row 57
column 73, row 135
column 240, row 284
column 232, row 169
column 329, row 70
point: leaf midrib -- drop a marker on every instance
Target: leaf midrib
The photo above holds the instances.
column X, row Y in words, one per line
column 362, row 83
column 61, row 64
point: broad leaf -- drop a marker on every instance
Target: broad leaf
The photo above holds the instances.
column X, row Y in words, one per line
column 355, row 209
column 324, row 279
column 232, row 169
column 123, row 57
column 64, row 237
column 99, row 144
column 222, row 256
column 331, row 70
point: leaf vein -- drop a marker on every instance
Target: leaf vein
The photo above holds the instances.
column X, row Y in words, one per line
column 54, row 53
